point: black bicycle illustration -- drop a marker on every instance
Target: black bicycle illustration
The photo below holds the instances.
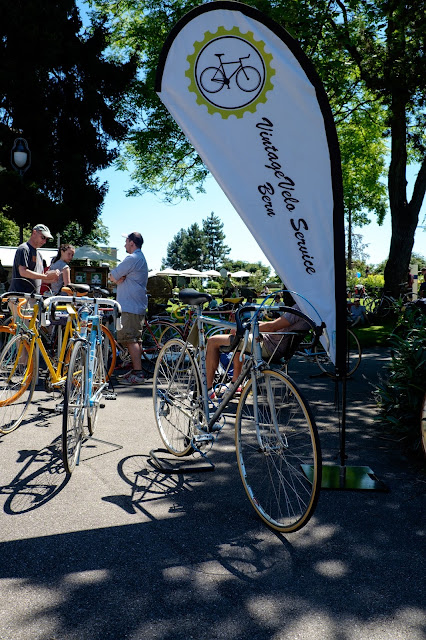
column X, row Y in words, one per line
column 247, row 78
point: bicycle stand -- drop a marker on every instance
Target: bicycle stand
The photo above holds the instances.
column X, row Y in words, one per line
column 171, row 464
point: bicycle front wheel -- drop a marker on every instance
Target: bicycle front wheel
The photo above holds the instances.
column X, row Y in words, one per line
column 99, row 379
column 248, row 79
column 177, row 397
column 17, row 382
column 278, row 451
column 74, row 407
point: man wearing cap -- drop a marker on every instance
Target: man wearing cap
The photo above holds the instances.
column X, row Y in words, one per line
column 131, row 277
column 27, row 271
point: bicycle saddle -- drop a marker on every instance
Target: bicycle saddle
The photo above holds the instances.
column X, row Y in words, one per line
column 79, row 289
column 192, row 297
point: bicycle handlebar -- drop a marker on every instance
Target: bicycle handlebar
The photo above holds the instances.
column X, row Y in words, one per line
column 80, row 301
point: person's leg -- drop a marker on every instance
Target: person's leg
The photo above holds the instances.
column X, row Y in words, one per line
column 212, row 356
column 130, row 336
column 135, row 351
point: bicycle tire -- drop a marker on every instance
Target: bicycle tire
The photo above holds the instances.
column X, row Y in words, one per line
column 74, row 409
column 171, row 332
column 109, row 351
column 17, row 382
column 242, row 80
column 209, row 83
column 176, row 395
column 152, row 338
column 99, row 380
column 353, row 357
column 275, row 462
column 423, row 425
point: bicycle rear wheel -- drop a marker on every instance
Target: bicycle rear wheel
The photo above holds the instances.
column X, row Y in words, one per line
column 74, row 409
column 109, row 350
column 278, row 450
column 177, row 397
column 154, row 335
column 353, row 357
column 17, row 382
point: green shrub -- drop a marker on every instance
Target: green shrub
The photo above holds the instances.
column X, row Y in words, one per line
column 400, row 394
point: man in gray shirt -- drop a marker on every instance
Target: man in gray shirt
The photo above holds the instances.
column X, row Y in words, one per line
column 131, row 277
column 27, row 271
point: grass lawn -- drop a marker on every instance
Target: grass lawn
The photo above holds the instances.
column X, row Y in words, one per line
column 376, row 335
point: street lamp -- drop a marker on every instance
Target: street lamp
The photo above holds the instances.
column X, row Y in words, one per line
column 20, row 159
column 20, row 156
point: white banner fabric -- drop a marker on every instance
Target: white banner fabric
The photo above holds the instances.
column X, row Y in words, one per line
column 240, row 92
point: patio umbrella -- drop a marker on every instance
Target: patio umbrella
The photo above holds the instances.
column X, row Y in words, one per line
column 91, row 253
column 191, row 273
column 168, row 272
column 241, row 274
column 211, row 272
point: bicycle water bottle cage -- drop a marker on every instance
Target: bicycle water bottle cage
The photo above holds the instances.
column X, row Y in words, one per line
column 193, row 297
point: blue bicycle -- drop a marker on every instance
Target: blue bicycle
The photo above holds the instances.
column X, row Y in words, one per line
column 86, row 379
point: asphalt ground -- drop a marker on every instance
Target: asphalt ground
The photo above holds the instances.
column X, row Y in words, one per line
column 123, row 551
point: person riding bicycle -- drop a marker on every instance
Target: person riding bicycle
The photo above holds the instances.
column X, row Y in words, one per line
column 272, row 345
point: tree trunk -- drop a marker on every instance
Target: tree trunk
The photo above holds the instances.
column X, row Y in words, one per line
column 404, row 214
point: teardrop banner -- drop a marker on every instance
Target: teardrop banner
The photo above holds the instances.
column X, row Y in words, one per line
column 254, row 108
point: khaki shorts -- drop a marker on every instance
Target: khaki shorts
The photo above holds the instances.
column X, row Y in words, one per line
column 132, row 327
column 265, row 354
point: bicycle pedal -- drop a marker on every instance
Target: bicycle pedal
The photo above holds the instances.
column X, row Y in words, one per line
column 202, row 439
column 110, row 396
column 101, row 405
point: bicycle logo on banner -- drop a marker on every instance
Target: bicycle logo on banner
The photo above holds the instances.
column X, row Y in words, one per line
column 230, row 72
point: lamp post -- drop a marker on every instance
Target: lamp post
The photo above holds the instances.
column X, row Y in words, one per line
column 20, row 159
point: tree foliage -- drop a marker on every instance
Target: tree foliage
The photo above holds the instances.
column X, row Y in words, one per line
column 62, row 95
column 215, row 248
column 370, row 56
column 198, row 248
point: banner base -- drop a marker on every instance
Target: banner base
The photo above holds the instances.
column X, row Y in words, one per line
column 347, row 478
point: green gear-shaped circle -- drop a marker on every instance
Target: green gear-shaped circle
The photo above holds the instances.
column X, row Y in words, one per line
column 259, row 45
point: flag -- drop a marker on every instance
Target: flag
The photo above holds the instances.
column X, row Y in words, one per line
column 254, row 108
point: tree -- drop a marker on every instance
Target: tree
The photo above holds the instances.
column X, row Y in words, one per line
column 9, row 232
column 385, row 41
column 364, row 192
column 59, row 92
column 193, row 248
column 216, row 249
column 370, row 56
column 74, row 234
column 175, row 258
